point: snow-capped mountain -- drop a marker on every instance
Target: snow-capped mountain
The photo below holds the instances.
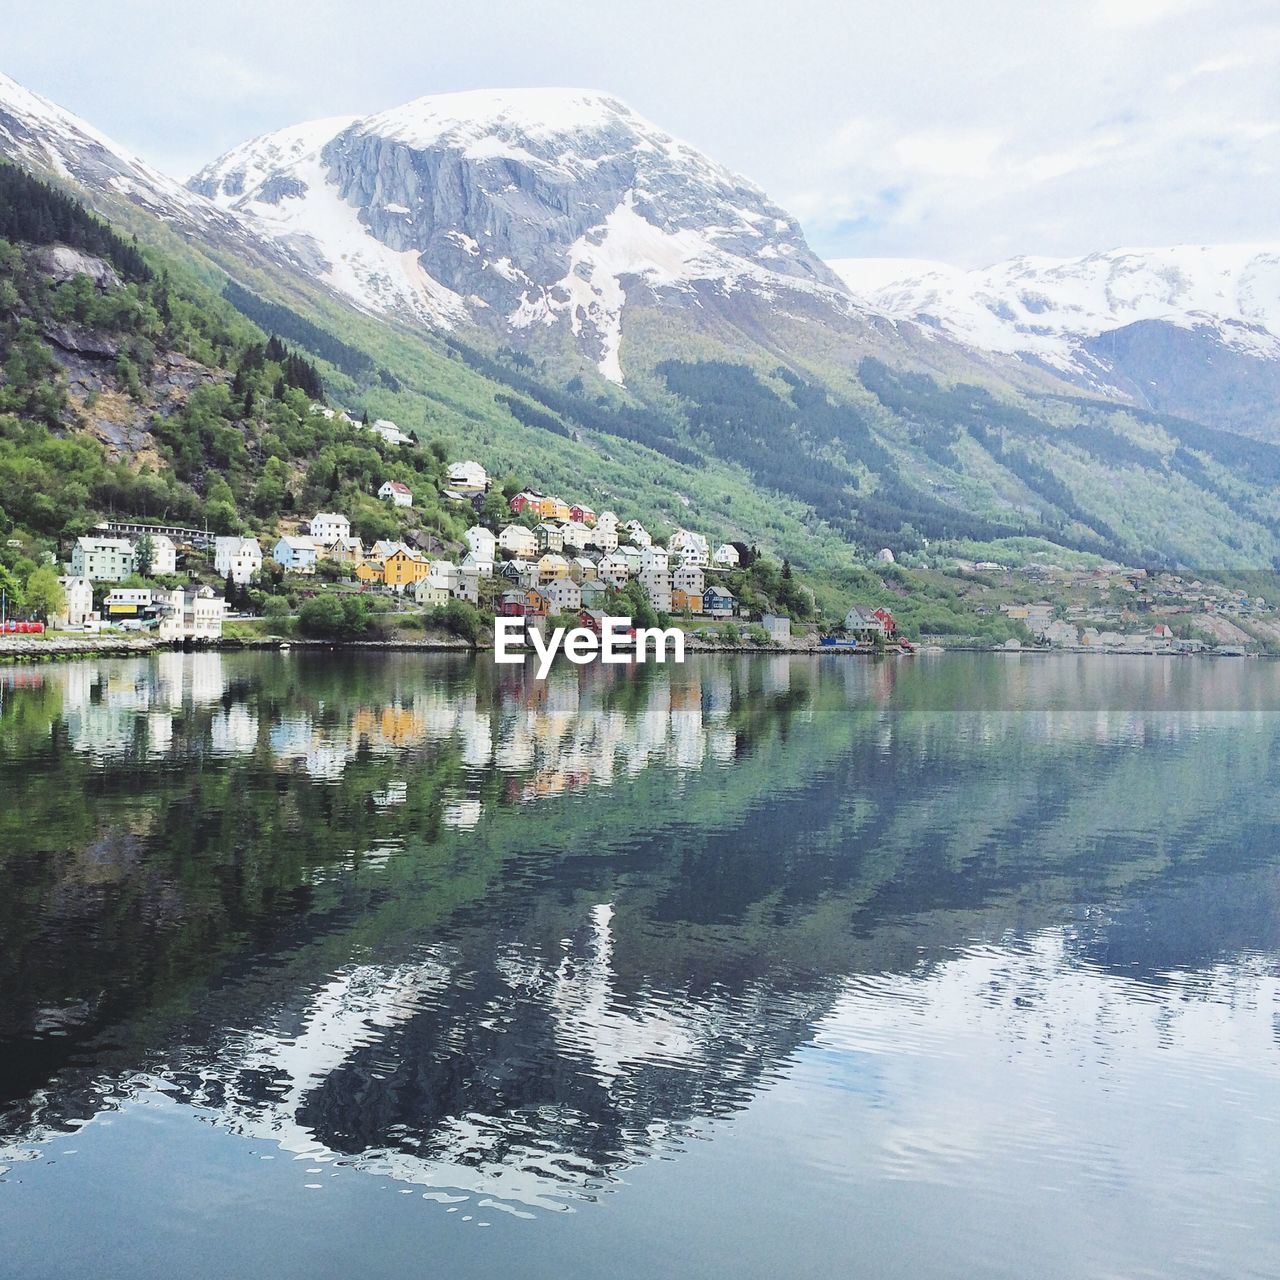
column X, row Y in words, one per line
column 1124, row 321
column 522, row 209
column 41, row 135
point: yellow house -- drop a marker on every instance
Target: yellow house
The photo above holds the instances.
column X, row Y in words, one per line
column 402, row 570
column 551, row 567
column 369, row 571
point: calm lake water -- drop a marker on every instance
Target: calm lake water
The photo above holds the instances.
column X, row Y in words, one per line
column 399, row 966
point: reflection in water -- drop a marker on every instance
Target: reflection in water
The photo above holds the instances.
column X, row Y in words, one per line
column 996, row 923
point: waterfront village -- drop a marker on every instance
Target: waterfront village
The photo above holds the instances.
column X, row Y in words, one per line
column 544, row 558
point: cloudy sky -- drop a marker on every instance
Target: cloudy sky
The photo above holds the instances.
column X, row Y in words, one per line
column 967, row 132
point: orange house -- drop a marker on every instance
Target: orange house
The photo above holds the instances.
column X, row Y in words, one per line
column 369, row 571
column 400, row 570
column 682, row 601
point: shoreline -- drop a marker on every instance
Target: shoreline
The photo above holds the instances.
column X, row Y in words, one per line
column 19, row 649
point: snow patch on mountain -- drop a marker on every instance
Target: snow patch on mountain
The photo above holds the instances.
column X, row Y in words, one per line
column 1047, row 308
column 40, row 134
column 514, row 207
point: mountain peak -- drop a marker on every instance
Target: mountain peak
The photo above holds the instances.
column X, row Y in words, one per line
column 526, row 210
column 542, row 112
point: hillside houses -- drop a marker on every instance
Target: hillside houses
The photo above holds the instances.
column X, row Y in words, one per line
column 399, row 495
column 103, row 559
column 296, row 553
column 467, row 477
column 328, row 526
column 239, row 559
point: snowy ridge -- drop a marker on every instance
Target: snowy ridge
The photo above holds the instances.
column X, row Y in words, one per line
column 41, row 134
column 514, row 208
column 1048, row 308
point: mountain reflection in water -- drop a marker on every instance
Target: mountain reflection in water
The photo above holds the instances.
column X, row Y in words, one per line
column 501, row 941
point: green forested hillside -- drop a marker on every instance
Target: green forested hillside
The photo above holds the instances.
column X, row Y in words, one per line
column 816, row 455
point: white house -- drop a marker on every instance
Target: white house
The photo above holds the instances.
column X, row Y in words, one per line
column 297, row 554
column 639, row 534
column 102, row 559
column 726, row 556
column 446, row 571
column 689, row 578
column 564, row 594
column 518, row 541
column 657, row 586
column 431, row 592
column 395, row 492
column 482, row 542
column 164, row 555
column 654, row 560
column 863, row 623
column 576, row 536
column 241, row 558
column 614, row 570
column 607, row 520
column 129, row 603
column 388, row 430
column 777, row 627
column 329, row 526
column 1061, row 633
column 79, row 606
column 690, row 547
column 191, row 613
column 605, row 538
column 468, row 477
column 471, row 563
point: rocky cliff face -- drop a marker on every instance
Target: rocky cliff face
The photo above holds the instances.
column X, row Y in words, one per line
column 525, row 209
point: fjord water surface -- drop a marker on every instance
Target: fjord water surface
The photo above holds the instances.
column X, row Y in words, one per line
column 318, row 965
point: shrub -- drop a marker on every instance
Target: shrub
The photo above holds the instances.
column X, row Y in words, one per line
column 333, row 617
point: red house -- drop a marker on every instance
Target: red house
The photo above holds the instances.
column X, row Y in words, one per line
column 890, row 626
column 583, row 515
column 512, row 604
column 522, row 500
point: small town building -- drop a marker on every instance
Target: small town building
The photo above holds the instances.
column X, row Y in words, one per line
column 482, row 542
column 403, row 569
column 717, row 602
column 190, row 613
column 550, row 537
column 777, row 627
column 102, row 559
column 296, row 553
column 78, row 608
column 564, row 595
column 239, row 559
column 164, row 554
column 398, row 494
column 516, row 540
column 328, row 526
column 726, row 556
column 552, row 566
column 467, row 477
column 431, row 592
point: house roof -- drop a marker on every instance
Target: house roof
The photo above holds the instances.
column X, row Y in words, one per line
column 396, row 487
